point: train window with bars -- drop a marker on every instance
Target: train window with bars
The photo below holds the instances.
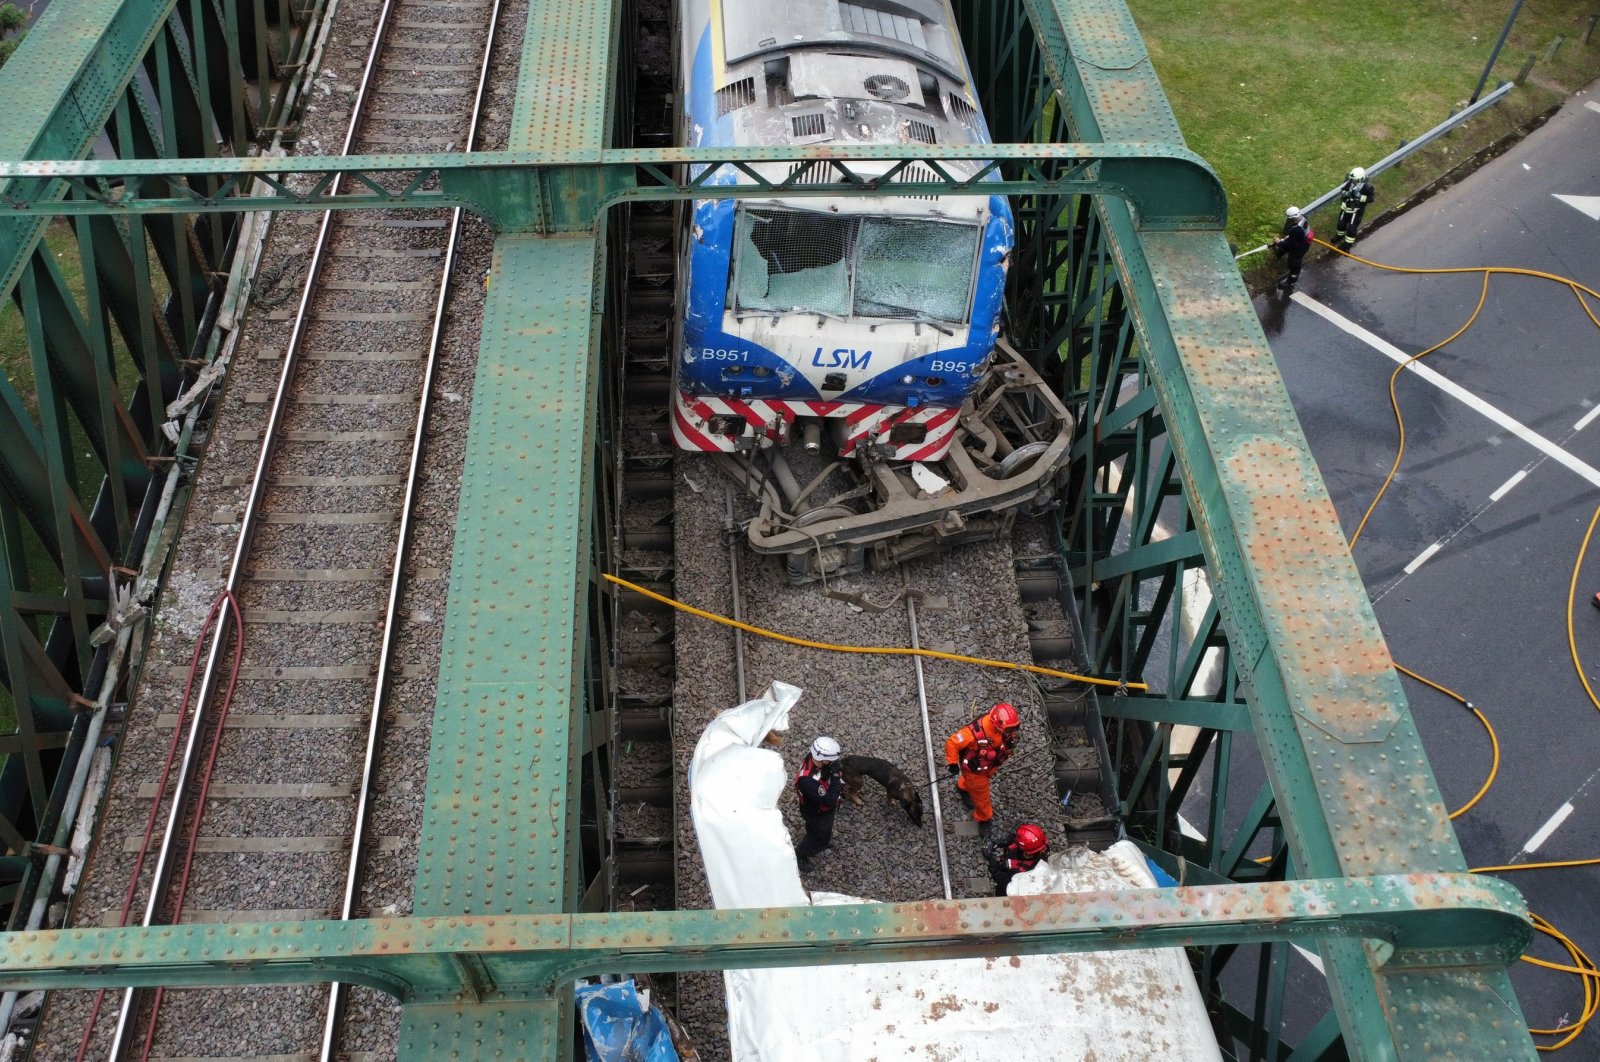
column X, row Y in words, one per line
column 790, row 261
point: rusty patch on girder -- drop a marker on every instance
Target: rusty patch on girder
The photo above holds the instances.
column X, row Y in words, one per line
column 1309, row 595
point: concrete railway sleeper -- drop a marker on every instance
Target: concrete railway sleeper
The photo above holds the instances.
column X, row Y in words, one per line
column 336, row 568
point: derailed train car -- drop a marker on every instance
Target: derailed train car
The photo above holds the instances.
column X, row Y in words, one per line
column 863, row 331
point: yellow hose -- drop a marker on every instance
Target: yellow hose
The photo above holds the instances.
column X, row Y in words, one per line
column 1536, row 866
column 1572, row 595
column 1494, row 739
column 872, row 650
column 1581, row 967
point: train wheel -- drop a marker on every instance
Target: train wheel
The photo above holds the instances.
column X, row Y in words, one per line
column 821, row 560
column 1021, row 458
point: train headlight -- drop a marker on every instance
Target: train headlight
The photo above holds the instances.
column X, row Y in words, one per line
column 908, row 380
column 760, row 371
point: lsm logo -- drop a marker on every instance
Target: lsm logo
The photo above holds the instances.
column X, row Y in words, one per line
column 841, row 358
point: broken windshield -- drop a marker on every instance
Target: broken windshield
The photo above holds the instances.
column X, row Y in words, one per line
column 790, row 261
column 914, row 268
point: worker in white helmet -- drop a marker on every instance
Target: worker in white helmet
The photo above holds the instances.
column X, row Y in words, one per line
column 819, row 788
column 1292, row 246
column 1353, row 199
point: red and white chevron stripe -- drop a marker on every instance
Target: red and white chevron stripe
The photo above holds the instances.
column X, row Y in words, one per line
column 865, row 423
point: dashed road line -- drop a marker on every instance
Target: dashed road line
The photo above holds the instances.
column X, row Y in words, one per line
column 1551, row 825
column 1505, row 488
column 1454, row 390
column 1422, row 558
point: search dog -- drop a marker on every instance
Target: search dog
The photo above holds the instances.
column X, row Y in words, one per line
column 899, row 788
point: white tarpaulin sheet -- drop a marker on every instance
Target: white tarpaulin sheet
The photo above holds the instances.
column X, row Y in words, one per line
column 1128, row 1005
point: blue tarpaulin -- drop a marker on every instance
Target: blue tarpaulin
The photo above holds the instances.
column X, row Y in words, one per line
column 618, row 1028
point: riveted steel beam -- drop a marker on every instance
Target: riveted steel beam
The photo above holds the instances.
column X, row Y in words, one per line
column 1166, row 186
column 1348, row 774
column 57, row 109
column 1453, row 922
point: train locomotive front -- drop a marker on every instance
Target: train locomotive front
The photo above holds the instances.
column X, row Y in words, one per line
column 864, row 330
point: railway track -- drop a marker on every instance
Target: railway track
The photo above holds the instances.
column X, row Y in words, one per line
column 976, row 600
column 681, row 531
column 284, row 782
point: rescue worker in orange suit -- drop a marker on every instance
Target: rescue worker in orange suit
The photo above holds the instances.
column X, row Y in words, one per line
column 1020, row 854
column 819, row 788
column 975, row 752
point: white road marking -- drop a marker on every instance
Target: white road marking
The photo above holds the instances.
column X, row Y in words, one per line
column 1454, row 390
column 1588, row 205
column 1584, row 421
column 1592, row 105
column 1187, row 828
column 1313, row 958
column 1422, row 558
column 1526, row 166
column 1547, row 829
column 1505, row 488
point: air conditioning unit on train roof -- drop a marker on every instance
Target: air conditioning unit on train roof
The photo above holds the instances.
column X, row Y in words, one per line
column 859, row 77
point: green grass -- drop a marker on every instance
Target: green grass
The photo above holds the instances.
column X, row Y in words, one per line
column 17, row 364
column 15, row 360
column 1283, row 98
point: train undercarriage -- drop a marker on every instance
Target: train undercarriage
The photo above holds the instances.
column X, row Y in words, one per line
column 1010, row 455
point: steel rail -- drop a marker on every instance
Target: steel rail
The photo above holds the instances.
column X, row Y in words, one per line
column 163, row 871
column 337, row 994
column 927, row 737
column 738, row 598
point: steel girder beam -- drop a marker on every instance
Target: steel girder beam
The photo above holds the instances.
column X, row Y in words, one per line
column 1455, row 923
column 1348, row 775
column 1166, row 186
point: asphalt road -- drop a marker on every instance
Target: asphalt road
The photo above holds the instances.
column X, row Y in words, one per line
column 1469, row 556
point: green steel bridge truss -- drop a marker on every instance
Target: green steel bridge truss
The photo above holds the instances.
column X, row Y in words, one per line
column 1190, row 472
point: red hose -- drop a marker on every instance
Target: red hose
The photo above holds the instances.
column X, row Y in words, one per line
column 194, row 824
column 225, row 597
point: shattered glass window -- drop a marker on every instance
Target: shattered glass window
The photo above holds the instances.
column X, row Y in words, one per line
column 791, row 260
column 915, row 269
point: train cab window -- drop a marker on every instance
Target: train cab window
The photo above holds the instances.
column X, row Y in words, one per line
column 794, row 261
column 915, row 269
column 791, row 260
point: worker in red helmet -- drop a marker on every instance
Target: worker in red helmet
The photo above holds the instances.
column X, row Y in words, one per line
column 1020, row 854
column 976, row 751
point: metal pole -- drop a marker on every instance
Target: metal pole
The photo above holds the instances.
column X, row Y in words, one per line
column 927, row 738
column 738, row 606
column 1504, row 33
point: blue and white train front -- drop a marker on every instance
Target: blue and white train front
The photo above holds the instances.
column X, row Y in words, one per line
column 878, row 316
